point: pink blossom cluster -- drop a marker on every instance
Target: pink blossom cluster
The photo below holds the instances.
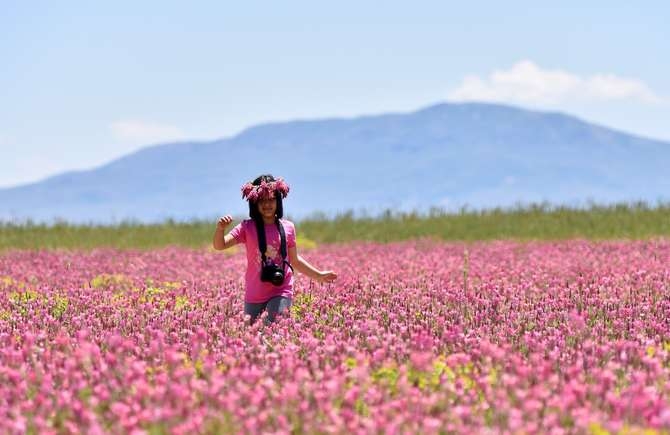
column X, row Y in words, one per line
column 265, row 190
column 413, row 337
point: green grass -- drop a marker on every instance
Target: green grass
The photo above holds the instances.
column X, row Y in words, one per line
column 533, row 222
column 125, row 235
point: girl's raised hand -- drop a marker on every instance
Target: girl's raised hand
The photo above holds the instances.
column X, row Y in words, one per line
column 327, row 276
column 224, row 221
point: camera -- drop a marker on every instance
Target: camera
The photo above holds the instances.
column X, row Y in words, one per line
column 270, row 272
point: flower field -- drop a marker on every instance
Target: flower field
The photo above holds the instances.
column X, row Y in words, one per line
column 413, row 337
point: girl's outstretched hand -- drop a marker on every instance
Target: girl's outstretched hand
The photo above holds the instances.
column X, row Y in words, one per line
column 224, row 221
column 327, row 276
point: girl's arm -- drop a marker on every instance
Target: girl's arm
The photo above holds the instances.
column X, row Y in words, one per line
column 301, row 265
column 222, row 240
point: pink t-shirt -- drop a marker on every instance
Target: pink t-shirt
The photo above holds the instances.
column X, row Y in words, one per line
column 258, row 291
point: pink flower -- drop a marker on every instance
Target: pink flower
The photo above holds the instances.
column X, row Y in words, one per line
column 576, row 320
column 421, row 359
column 265, row 190
column 246, row 189
column 253, row 196
column 282, row 187
column 492, row 358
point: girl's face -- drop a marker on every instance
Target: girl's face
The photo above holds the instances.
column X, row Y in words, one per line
column 267, row 207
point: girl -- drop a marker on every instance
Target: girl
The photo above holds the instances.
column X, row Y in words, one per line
column 269, row 276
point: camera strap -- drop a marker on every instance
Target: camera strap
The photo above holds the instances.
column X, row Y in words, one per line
column 262, row 241
column 282, row 245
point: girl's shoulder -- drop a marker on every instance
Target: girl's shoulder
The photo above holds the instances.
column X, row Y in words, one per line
column 287, row 223
column 289, row 228
column 246, row 223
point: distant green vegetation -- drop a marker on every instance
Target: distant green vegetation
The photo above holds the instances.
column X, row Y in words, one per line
column 30, row 235
column 533, row 222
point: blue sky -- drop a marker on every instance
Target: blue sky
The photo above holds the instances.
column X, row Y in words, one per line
column 83, row 83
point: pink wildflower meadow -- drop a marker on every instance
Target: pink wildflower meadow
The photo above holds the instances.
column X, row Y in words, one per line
column 413, row 337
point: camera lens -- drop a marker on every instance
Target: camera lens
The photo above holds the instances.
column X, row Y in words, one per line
column 277, row 278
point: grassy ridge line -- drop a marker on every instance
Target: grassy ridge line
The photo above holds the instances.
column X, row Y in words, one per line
column 535, row 222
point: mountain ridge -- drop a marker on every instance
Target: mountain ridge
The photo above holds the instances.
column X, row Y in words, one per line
column 446, row 155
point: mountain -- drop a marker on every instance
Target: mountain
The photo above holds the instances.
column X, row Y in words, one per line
column 446, row 155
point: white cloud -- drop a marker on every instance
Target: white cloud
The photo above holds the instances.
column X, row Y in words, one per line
column 526, row 82
column 145, row 132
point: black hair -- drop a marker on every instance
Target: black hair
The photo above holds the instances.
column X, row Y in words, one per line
column 253, row 206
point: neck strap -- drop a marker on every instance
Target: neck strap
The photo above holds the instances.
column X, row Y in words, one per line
column 262, row 242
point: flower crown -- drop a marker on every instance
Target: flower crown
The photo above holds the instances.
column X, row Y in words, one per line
column 265, row 190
